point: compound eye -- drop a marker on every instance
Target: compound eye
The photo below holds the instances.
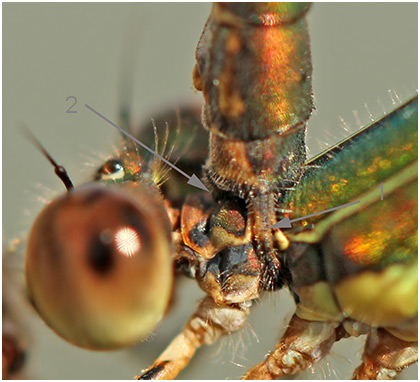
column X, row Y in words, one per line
column 113, row 169
column 99, row 268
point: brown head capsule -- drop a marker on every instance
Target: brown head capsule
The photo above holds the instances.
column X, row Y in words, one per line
column 98, row 264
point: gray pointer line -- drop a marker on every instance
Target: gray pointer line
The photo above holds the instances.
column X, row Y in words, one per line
column 286, row 222
column 193, row 179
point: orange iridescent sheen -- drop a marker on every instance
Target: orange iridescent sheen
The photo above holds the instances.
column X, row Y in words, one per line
column 259, row 80
column 379, row 162
column 385, row 231
column 132, row 162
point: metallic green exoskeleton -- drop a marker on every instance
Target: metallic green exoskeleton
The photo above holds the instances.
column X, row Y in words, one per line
column 351, row 272
column 253, row 64
column 334, row 259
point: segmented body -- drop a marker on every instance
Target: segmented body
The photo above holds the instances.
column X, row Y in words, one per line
column 254, row 68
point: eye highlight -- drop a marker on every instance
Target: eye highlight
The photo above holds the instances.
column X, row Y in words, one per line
column 113, row 169
column 127, row 241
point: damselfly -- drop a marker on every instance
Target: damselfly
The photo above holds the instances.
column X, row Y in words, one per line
column 67, row 44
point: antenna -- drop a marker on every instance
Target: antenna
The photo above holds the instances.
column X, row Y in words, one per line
column 60, row 171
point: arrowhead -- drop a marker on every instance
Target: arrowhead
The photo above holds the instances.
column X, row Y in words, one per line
column 283, row 223
column 194, row 181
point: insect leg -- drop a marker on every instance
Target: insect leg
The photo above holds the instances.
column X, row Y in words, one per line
column 205, row 326
column 303, row 344
column 385, row 355
column 14, row 338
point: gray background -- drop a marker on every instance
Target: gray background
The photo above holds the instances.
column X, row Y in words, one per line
column 51, row 51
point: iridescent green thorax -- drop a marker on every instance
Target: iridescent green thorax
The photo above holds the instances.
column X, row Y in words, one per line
column 374, row 233
column 360, row 262
column 354, row 167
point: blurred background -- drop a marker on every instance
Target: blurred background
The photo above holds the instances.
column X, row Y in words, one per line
column 365, row 62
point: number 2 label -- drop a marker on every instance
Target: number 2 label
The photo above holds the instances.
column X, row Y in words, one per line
column 69, row 110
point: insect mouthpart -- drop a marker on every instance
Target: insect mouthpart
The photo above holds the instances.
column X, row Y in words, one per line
column 98, row 267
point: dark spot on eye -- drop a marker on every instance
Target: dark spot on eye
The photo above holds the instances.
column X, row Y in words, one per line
column 100, row 255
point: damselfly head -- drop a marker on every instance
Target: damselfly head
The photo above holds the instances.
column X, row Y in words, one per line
column 98, row 265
